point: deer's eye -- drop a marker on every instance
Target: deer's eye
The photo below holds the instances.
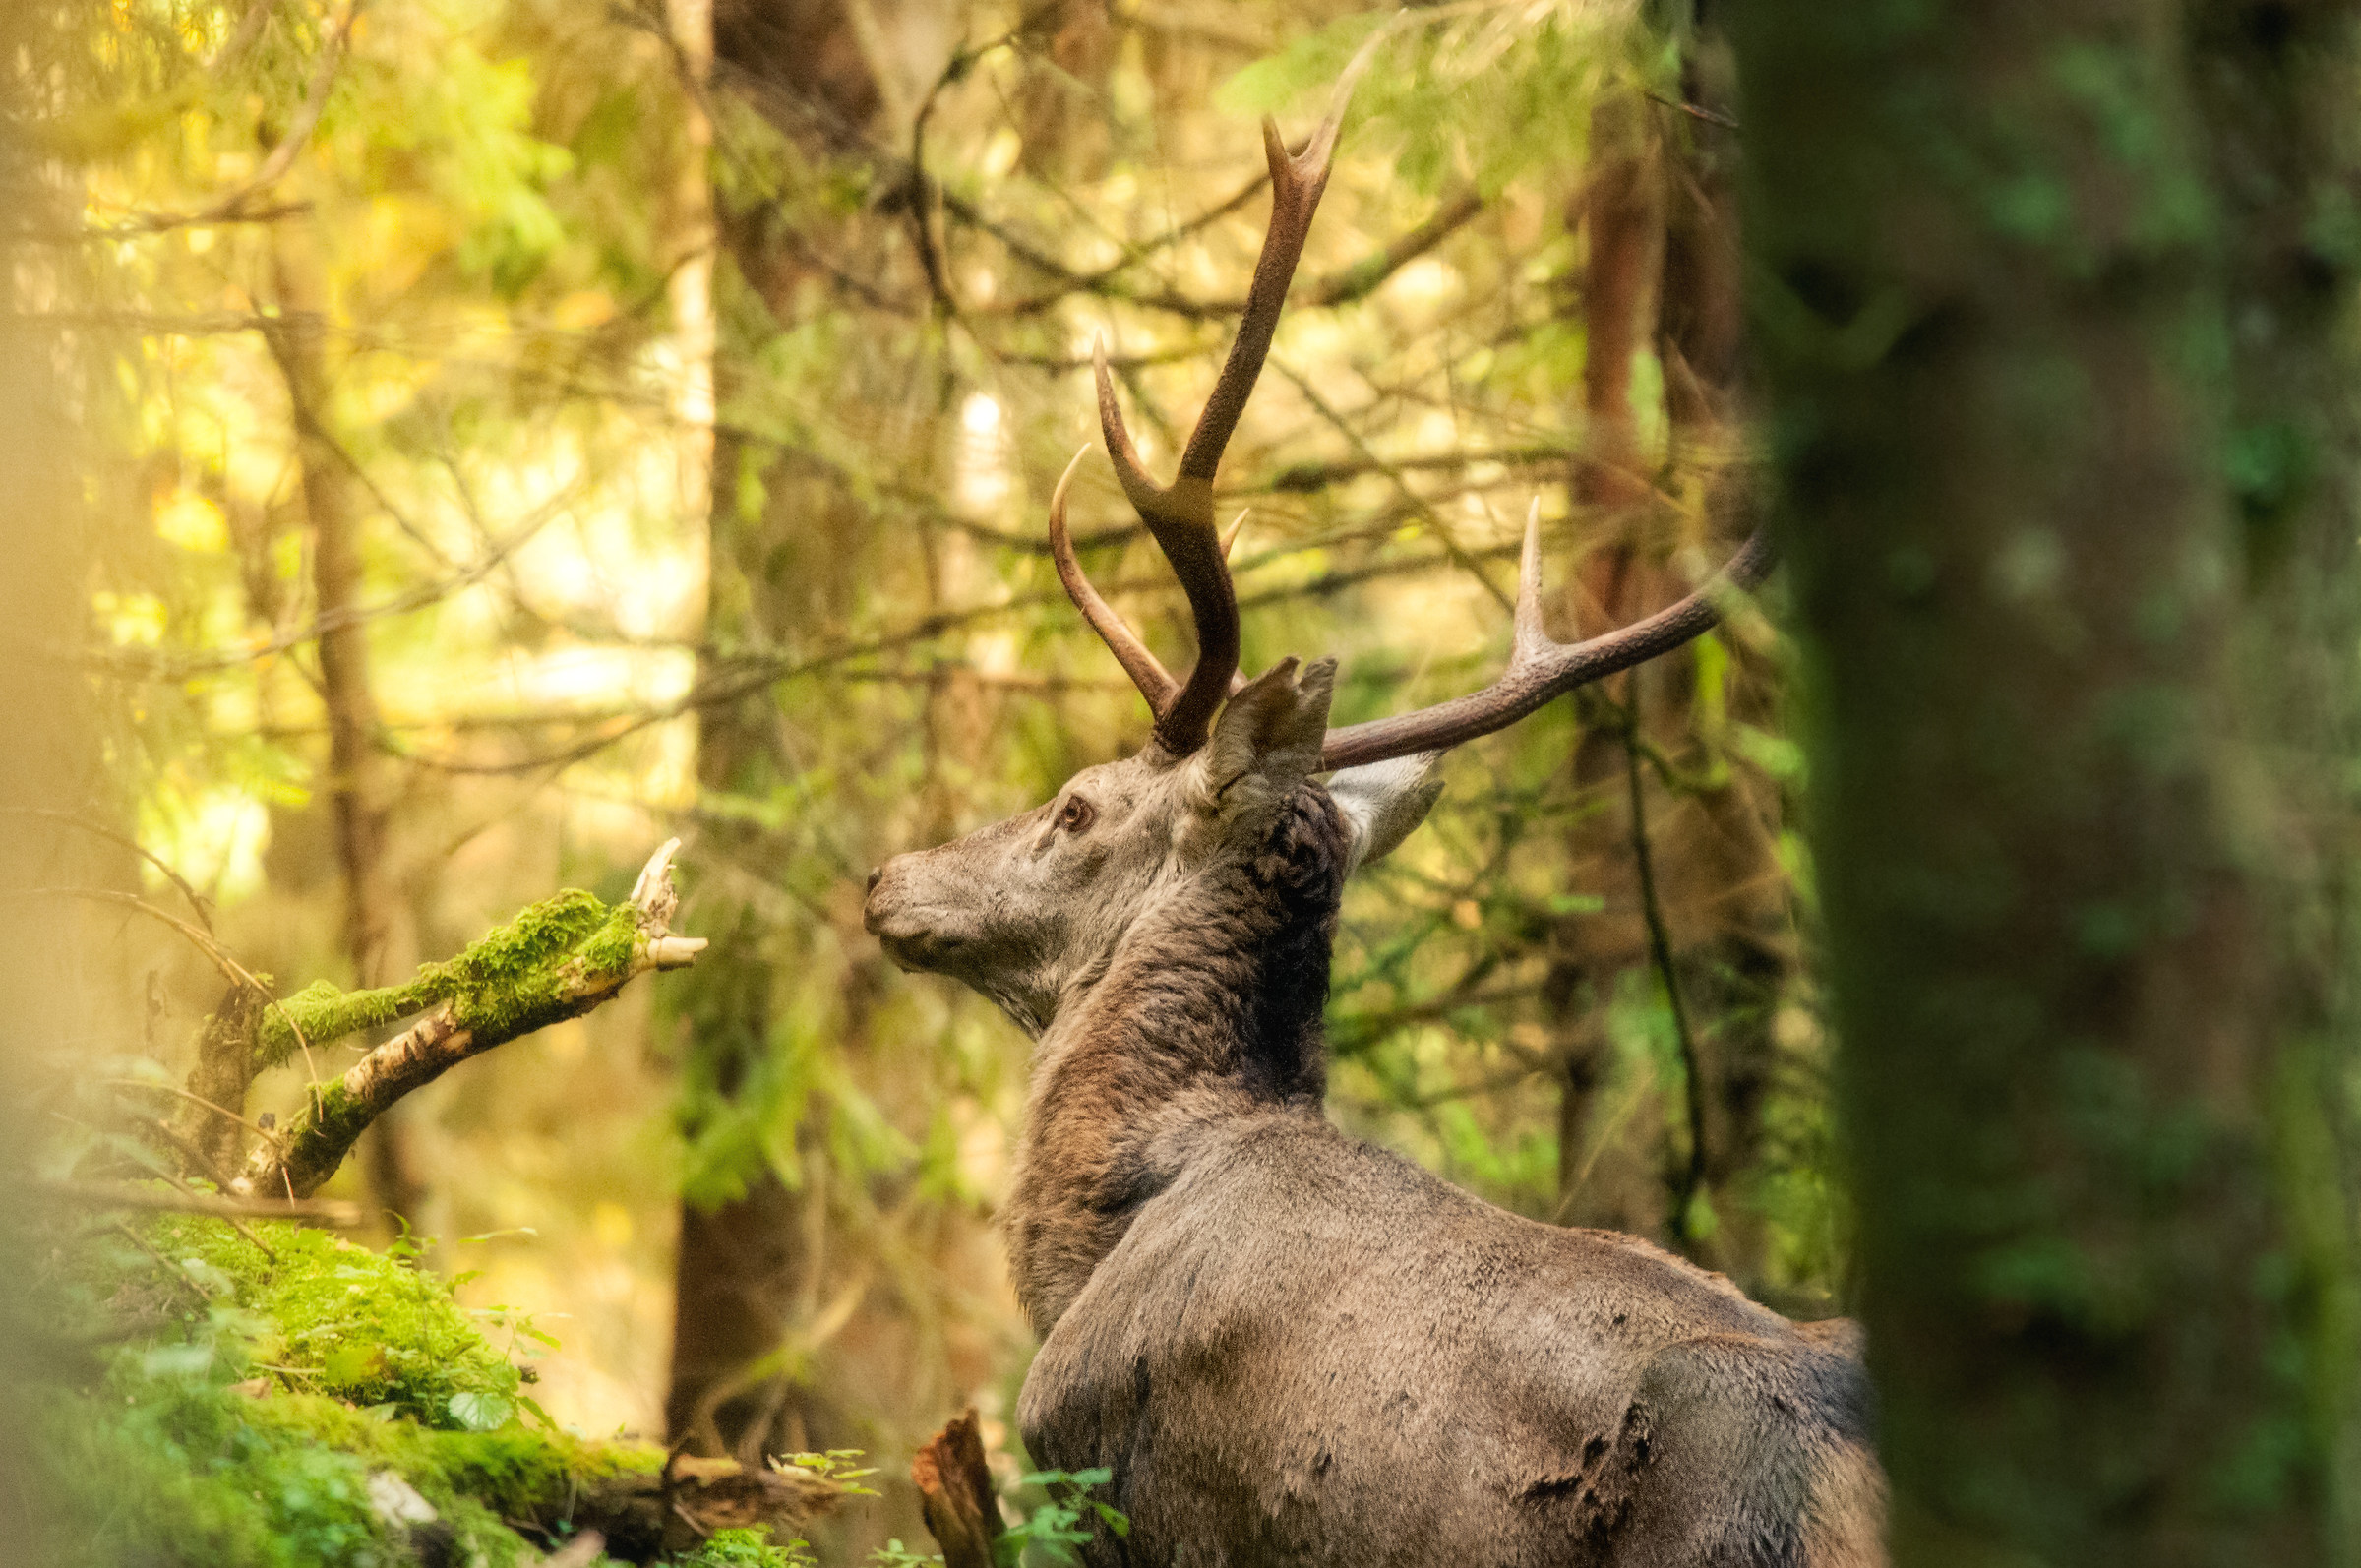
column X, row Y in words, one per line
column 1076, row 813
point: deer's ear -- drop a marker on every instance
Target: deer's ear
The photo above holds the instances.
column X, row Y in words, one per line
column 1272, row 729
column 1384, row 802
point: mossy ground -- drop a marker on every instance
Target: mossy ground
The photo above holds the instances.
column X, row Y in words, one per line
column 369, row 1328
column 263, row 1397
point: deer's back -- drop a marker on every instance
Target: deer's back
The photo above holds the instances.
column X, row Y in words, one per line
column 1308, row 1351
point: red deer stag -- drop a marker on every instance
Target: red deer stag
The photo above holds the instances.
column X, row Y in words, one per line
column 1289, row 1346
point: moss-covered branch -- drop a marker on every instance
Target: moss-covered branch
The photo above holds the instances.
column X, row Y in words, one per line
column 556, row 960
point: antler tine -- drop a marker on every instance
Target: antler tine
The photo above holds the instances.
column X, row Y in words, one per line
column 1179, row 516
column 1540, row 669
column 1298, row 181
column 1528, row 639
column 1143, row 490
column 1147, row 671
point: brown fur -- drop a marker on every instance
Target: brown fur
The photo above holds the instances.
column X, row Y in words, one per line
column 1293, row 1347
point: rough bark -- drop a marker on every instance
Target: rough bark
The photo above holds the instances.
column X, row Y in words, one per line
column 2055, row 313
column 2277, row 89
column 220, row 1079
column 332, row 503
column 737, row 1266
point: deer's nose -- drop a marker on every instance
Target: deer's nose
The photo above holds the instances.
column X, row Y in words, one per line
column 876, row 873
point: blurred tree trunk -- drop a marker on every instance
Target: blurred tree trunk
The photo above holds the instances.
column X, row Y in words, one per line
column 1662, row 275
column 746, row 1272
column 1621, row 214
column 54, row 759
column 1736, row 952
column 1062, row 109
column 736, row 1268
column 356, row 790
column 2056, row 313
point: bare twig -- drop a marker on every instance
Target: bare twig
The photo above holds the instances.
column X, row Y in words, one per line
column 749, row 673
column 418, row 598
column 204, row 1204
column 255, row 1127
column 242, row 38
column 1660, row 949
column 235, row 972
column 111, row 1195
column 233, row 208
column 203, row 940
column 1435, row 525
column 171, row 1270
column 84, row 824
column 1696, row 111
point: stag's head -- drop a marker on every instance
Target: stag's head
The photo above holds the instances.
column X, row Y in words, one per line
column 1030, row 908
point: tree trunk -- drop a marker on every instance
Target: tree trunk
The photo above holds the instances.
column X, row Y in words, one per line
column 54, row 761
column 738, row 1262
column 1738, row 954
column 356, row 791
column 1663, row 274
column 1621, row 214
column 2056, row 330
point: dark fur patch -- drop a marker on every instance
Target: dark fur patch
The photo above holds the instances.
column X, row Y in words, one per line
column 1221, row 990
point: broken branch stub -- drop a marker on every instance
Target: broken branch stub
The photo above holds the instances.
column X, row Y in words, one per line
column 955, row 1494
column 556, row 960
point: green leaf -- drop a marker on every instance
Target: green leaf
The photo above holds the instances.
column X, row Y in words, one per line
column 482, row 1412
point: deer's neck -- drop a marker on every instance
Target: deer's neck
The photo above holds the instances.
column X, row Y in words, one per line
column 1210, row 1010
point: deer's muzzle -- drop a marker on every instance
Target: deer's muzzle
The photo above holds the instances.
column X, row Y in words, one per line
column 916, row 933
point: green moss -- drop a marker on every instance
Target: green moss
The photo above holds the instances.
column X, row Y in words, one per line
column 745, row 1548
column 150, row 1471
column 516, row 972
column 367, row 1327
column 514, row 1473
column 169, row 1458
column 324, row 1014
column 163, row 1469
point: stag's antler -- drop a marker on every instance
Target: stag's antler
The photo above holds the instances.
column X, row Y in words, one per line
column 1540, row 669
column 1147, row 671
column 1179, row 516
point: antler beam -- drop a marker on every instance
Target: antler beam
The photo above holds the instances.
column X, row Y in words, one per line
column 1540, row 669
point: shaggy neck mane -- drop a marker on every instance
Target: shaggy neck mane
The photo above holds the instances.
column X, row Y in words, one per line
column 1210, row 1008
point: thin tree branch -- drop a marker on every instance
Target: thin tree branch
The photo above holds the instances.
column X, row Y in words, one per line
column 232, row 208
column 122, row 1195
column 197, row 904
column 235, row 971
column 1660, row 949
